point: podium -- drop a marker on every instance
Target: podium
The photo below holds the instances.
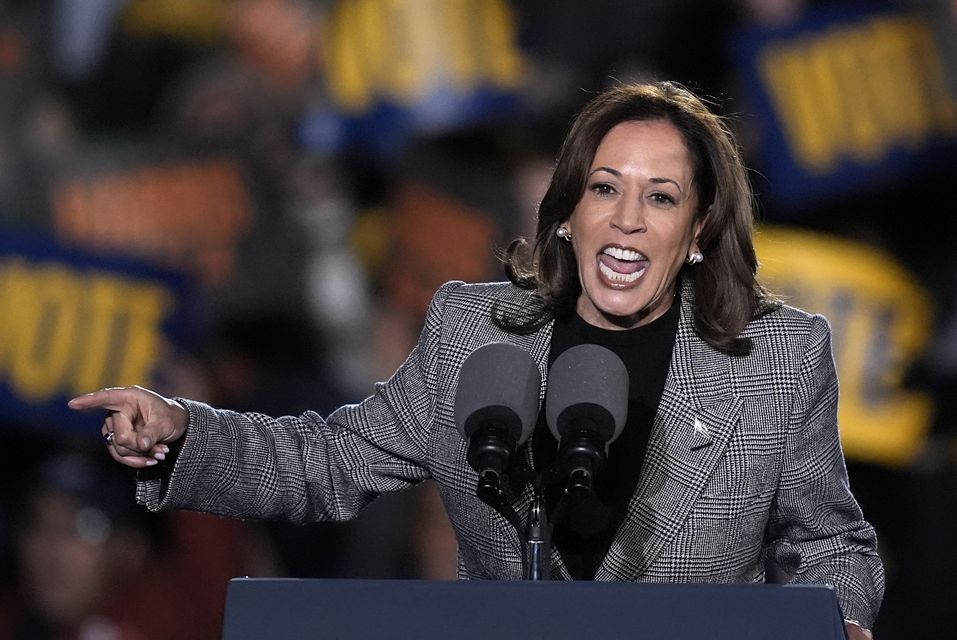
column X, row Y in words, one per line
column 288, row 608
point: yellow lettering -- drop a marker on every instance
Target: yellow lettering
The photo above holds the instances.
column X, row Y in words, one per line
column 104, row 294
column 881, row 320
column 415, row 60
column 940, row 99
column 376, row 44
column 402, row 50
column 146, row 307
column 67, row 332
column 349, row 79
column 899, row 93
column 461, row 42
column 788, row 77
column 46, row 333
column 498, row 30
column 857, row 92
column 846, row 54
column 12, row 288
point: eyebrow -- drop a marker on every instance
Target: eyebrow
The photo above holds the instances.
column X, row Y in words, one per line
column 664, row 180
column 617, row 174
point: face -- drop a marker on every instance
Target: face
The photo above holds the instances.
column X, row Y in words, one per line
column 634, row 225
column 65, row 558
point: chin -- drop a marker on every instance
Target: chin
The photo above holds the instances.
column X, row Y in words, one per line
column 623, row 303
column 627, row 307
column 621, row 312
column 625, row 317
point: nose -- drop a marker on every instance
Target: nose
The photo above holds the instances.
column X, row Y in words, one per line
column 629, row 215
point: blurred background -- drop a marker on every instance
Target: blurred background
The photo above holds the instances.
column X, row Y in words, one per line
column 250, row 202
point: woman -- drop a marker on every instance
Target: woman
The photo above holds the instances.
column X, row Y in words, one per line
column 643, row 245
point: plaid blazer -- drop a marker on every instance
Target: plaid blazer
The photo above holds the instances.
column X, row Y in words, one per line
column 744, row 466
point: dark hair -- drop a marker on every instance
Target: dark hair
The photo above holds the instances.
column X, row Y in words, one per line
column 726, row 291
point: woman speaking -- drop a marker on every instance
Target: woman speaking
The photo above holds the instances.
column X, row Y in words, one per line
column 729, row 466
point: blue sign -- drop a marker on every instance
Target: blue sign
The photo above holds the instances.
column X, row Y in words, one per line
column 398, row 68
column 73, row 323
column 848, row 99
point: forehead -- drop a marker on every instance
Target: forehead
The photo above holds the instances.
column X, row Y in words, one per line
column 652, row 143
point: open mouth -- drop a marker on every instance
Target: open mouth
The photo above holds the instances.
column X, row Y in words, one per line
column 622, row 266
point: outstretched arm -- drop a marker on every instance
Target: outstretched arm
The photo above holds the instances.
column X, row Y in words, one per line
column 301, row 468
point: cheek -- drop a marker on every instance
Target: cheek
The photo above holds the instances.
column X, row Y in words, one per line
column 576, row 227
column 675, row 237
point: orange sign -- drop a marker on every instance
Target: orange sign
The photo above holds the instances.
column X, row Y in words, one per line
column 189, row 216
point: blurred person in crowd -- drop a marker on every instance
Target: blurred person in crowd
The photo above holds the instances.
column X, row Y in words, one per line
column 76, row 541
column 77, row 547
column 643, row 246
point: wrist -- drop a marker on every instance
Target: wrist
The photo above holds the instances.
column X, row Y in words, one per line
column 180, row 416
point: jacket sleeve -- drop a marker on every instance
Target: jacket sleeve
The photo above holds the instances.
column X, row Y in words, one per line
column 816, row 528
column 305, row 468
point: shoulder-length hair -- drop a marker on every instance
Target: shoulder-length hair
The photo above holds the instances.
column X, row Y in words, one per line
column 727, row 294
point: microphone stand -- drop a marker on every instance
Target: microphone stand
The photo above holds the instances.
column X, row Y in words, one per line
column 538, row 534
column 539, row 528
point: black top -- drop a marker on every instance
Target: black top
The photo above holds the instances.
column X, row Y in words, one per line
column 584, row 535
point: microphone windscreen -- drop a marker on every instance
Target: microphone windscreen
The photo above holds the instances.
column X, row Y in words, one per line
column 498, row 380
column 587, row 382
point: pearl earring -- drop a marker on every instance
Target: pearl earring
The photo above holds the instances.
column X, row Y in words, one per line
column 564, row 234
column 695, row 257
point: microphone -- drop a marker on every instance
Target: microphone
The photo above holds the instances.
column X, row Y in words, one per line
column 586, row 409
column 496, row 405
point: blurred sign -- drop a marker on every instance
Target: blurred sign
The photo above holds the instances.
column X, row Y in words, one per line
column 73, row 323
column 202, row 20
column 187, row 215
column 848, row 98
column 395, row 67
column 881, row 320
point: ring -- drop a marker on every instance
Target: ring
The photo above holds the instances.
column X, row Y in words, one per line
column 109, row 438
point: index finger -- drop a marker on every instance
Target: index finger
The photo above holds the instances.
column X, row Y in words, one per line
column 113, row 399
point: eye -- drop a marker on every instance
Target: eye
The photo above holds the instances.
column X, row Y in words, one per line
column 662, row 198
column 602, row 189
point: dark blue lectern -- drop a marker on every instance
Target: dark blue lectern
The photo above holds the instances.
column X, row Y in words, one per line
column 287, row 609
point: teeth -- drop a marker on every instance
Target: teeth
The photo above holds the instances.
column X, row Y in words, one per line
column 622, row 254
column 620, row 277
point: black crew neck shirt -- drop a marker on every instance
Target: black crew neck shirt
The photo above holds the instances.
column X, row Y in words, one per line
column 588, row 527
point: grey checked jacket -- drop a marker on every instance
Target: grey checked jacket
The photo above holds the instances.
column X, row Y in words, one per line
column 744, row 466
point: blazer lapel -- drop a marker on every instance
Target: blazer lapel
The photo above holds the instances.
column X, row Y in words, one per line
column 696, row 417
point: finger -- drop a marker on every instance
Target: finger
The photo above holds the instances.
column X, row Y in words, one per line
column 107, row 429
column 159, row 451
column 125, row 451
column 124, row 434
column 139, row 437
column 135, row 461
column 113, row 398
column 126, row 456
